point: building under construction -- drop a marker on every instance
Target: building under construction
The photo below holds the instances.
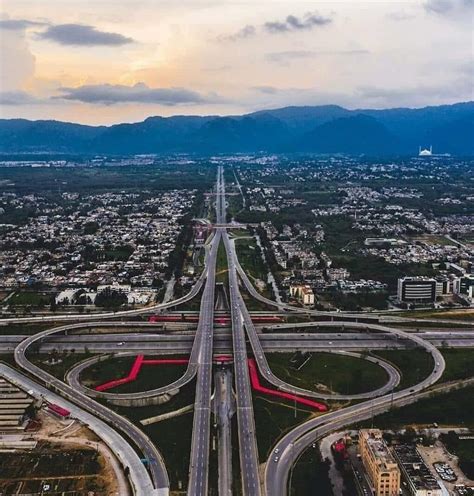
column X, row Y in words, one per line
column 14, row 404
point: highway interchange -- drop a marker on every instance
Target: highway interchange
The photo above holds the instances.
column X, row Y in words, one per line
column 360, row 331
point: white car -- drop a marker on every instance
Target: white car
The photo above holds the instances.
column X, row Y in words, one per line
column 121, row 343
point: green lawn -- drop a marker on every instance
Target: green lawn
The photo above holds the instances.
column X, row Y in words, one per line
column 33, row 298
column 459, row 314
column 60, row 368
column 17, row 329
column 414, row 365
column 172, row 436
column 239, row 232
column 250, row 258
column 449, row 409
column 222, row 272
column 310, row 472
column 150, row 376
column 342, row 374
column 459, row 364
column 273, row 418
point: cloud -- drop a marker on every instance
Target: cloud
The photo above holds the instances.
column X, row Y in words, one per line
column 84, row 35
column 286, row 57
column 458, row 89
column 444, row 7
column 18, row 24
column 17, row 61
column 293, row 23
column 17, row 98
column 400, row 15
column 266, row 90
column 108, row 94
column 247, row 31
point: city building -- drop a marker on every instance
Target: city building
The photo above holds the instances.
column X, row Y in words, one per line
column 303, row 293
column 337, row 274
column 416, row 289
column 379, row 463
column 467, row 285
column 447, row 284
column 418, row 477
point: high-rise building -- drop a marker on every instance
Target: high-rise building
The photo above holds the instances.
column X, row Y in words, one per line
column 417, row 289
column 379, row 463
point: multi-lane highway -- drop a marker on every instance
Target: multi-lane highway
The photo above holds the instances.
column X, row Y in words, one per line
column 198, row 484
column 248, row 452
column 183, row 342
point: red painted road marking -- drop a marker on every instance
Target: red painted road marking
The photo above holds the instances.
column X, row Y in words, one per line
column 255, row 381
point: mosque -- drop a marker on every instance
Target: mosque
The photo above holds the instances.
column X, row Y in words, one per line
column 425, row 152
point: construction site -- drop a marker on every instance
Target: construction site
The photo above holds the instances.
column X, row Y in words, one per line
column 62, row 455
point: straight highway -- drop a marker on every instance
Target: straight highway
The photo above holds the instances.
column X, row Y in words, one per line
column 198, row 484
column 248, row 453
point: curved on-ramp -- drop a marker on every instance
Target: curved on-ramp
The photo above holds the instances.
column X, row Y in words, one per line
column 292, row 445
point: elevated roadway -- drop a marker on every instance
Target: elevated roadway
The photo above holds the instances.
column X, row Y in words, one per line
column 248, row 453
column 138, row 475
column 158, row 476
column 198, row 484
column 183, row 342
column 292, row 445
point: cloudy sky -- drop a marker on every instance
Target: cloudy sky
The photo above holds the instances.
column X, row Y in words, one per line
column 111, row 61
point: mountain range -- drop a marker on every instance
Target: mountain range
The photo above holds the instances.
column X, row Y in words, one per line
column 318, row 129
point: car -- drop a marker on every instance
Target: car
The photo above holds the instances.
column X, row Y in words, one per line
column 276, row 450
column 121, row 343
column 276, row 459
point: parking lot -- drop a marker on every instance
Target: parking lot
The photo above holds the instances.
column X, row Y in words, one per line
column 438, row 457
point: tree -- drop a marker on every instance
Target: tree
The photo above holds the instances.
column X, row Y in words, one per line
column 53, row 305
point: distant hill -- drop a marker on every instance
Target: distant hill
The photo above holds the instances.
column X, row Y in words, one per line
column 354, row 134
column 321, row 129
